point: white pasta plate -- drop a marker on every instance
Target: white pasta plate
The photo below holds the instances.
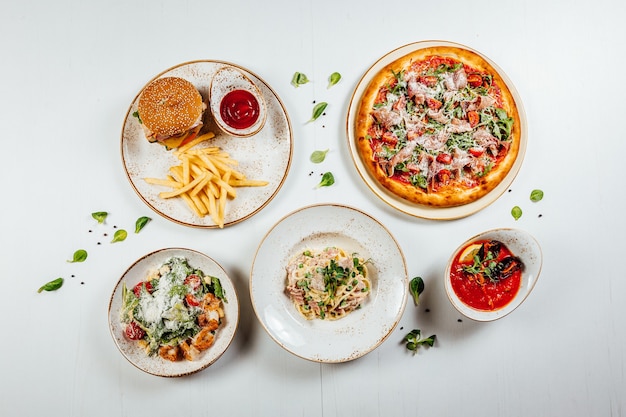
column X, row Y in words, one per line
column 155, row 365
column 264, row 156
column 360, row 331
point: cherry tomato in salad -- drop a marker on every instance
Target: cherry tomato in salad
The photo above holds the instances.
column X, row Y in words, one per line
column 137, row 288
column 193, row 281
column 133, row 331
column 191, row 300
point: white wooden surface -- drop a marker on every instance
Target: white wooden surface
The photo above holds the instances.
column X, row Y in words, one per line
column 69, row 71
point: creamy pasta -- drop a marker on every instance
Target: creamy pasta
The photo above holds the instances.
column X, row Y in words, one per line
column 327, row 284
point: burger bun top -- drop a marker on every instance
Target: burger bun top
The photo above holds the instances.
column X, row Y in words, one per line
column 169, row 106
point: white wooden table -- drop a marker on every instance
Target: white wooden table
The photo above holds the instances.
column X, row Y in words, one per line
column 69, row 72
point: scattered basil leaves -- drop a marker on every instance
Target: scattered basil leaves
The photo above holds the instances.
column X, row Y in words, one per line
column 416, row 287
column 52, row 285
column 333, row 79
column 318, row 110
column 516, row 212
column 299, row 79
column 141, row 223
column 536, row 195
column 318, row 156
column 414, row 340
column 79, row 256
column 100, row 216
column 119, row 236
column 327, row 180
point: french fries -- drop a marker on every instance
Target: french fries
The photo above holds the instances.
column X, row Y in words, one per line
column 205, row 179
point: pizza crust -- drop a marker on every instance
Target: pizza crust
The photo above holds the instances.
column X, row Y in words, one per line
column 453, row 194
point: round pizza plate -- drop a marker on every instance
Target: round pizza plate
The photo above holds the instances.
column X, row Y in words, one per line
column 264, row 156
column 401, row 204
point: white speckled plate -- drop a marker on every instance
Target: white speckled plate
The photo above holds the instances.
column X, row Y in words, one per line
column 263, row 156
column 522, row 245
column 403, row 205
column 359, row 332
column 156, row 365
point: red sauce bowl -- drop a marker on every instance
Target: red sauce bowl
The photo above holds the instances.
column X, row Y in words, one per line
column 236, row 103
column 474, row 295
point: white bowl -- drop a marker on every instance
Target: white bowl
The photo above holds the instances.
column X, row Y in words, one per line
column 155, row 365
column 522, row 245
column 228, row 80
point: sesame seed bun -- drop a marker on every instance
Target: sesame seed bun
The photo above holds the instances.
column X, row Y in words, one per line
column 169, row 106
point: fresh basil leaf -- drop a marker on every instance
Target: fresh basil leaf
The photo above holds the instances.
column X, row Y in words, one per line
column 536, row 195
column 413, row 340
column 333, row 79
column 299, row 79
column 100, row 216
column 516, row 212
column 52, row 285
column 413, row 335
column 430, row 340
column 416, row 287
column 318, row 156
column 141, row 223
column 318, row 110
column 327, row 180
column 119, row 236
column 79, row 256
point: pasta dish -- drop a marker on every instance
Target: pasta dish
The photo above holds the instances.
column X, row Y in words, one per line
column 327, row 284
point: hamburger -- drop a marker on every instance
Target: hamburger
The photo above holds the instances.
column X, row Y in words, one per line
column 170, row 110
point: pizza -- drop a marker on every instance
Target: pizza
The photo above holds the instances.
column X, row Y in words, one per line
column 438, row 127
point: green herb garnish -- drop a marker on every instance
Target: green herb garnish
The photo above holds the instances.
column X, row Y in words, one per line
column 416, row 287
column 485, row 263
column 136, row 114
column 413, row 340
column 100, row 216
column 299, row 79
column 119, row 236
column 318, row 110
column 334, row 276
column 536, row 195
column 79, row 256
column 333, row 79
column 318, row 156
column 516, row 212
column 52, row 285
column 141, row 223
column 327, row 180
